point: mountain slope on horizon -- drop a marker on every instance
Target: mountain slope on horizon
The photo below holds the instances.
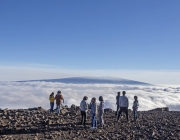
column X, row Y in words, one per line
column 92, row 80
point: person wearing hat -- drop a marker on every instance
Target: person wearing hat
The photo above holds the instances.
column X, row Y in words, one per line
column 59, row 98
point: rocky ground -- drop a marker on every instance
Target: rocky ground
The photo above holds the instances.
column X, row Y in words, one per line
column 38, row 123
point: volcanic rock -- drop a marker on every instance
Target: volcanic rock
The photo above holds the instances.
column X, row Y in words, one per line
column 38, row 123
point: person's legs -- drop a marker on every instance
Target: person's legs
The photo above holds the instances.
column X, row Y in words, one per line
column 101, row 121
column 121, row 109
column 85, row 114
column 96, row 121
column 117, row 110
column 126, row 111
column 58, row 109
column 52, row 106
column 99, row 117
column 92, row 120
column 82, row 117
column 135, row 114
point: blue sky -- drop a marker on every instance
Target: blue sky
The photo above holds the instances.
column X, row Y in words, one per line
column 91, row 35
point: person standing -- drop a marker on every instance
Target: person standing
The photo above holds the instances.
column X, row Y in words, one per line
column 84, row 109
column 135, row 107
column 124, row 104
column 93, row 112
column 51, row 99
column 101, row 111
column 59, row 98
column 117, row 102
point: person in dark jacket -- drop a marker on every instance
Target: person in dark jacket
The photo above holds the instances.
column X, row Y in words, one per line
column 117, row 102
column 101, row 111
column 59, row 98
column 93, row 112
column 84, row 109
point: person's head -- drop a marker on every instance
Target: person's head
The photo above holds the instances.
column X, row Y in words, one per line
column 59, row 92
column 85, row 98
column 118, row 93
column 93, row 100
column 124, row 93
column 135, row 98
column 52, row 94
column 101, row 98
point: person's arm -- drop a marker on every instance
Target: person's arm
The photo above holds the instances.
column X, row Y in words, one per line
column 99, row 109
column 86, row 106
column 80, row 105
column 63, row 99
column 119, row 101
column 95, row 109
column 127, row 102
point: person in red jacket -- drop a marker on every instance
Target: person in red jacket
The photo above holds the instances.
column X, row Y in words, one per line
column 59, row 98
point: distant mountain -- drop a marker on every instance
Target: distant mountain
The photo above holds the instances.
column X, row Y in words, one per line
column 92, row 80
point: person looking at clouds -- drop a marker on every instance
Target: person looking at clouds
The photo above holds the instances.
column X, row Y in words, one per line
column 117, row 102
column 124, row 104
column 135, row 107
column 51, row 99
column 101, row 111
column 59, row 98
column 84, row 109
column 93, row 112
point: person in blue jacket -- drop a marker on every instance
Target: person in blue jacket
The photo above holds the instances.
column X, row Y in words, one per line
column 93, row 112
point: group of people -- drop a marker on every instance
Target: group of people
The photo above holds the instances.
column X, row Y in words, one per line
column 94, row 110
column 59, row 100
column 122, row 103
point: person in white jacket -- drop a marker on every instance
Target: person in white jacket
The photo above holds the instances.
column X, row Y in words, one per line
column 84, row 108
column 124, row 104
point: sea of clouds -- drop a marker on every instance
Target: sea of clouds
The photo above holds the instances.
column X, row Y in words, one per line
column 16, row 95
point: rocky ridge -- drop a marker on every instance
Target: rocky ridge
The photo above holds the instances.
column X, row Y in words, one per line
column 39, row 124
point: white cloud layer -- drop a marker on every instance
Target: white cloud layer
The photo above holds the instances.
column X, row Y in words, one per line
column 34, row 94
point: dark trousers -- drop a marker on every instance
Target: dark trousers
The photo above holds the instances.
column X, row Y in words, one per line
column 117, row 110
column 83, row 117
column 51, row 107
column 125, row 110
column 135, row 114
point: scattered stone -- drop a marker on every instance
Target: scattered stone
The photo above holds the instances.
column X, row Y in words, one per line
column 39, row 124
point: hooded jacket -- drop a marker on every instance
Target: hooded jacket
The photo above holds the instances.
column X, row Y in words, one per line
column 84, row 105
column 59, row 98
